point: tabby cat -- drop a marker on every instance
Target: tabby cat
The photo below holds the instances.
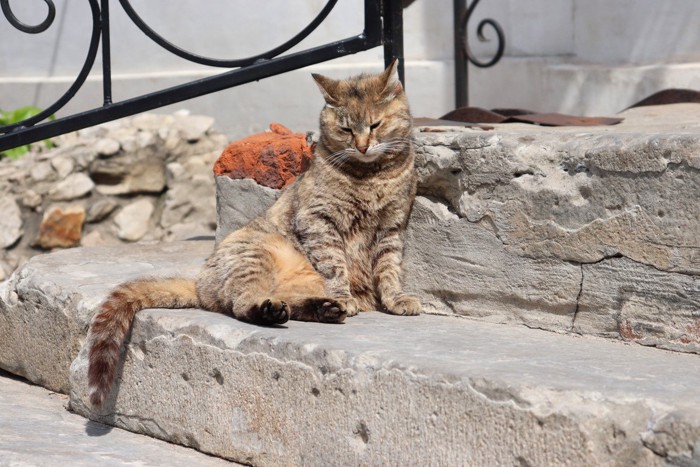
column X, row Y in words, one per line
column 329, row 247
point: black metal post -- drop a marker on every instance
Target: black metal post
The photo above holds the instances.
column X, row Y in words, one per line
column 106, row 54
column 463, row 55
column 461, row 70
column 393, row 35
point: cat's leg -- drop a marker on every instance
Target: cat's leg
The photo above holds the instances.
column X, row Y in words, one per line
column 324, row 249
column 239, row 279
column 387, row 277
column 300, row 286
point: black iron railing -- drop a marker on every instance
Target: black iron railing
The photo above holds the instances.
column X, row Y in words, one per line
column 383, row 25
column 463, row 54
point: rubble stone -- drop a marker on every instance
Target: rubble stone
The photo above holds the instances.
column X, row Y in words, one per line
column 104, row 168
column 61, row 228
column 10, row 221
column 73, row 186
column 133, row 220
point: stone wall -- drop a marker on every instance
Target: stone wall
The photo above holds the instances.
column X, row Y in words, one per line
column 146, row 178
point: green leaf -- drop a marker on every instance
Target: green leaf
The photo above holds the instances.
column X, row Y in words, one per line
column 18, row 115
column 24, row 113
column 16, row 153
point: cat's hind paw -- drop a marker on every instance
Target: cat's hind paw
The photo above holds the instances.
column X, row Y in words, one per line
column 330, row 311
column 320, row 309
column 406, row 305
column 274, row 312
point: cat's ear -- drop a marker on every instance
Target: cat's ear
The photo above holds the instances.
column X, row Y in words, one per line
column 390, row 78
column 328, row 88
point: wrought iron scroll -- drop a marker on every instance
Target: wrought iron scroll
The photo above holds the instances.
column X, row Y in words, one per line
column 463, row 53
column 383, row 25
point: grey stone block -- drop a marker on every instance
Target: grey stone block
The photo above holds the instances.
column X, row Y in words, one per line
column 380, row 388
column 409, row 391
column 528, row 225
column 47, row 305
column 38, row 430
column 238, row 202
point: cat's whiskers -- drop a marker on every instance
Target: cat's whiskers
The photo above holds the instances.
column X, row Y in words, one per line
column 394, row 144
column 338, row 158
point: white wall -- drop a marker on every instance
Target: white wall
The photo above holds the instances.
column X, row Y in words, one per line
column 575, row 56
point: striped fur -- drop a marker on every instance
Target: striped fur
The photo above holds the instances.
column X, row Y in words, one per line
column 332, row 244
column 112, row 324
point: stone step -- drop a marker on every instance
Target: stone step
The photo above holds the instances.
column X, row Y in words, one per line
column 591, row 229
column 441, row 390
column 36, row 429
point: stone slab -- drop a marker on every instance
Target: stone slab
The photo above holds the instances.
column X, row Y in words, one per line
column 588, row 229
column 405, row 390
column 36, row 429
column 238, row 201
column 47, row 305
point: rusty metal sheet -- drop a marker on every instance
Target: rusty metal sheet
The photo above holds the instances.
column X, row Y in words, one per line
column 473, row 115
column 557, row 119
column 479, row 115
column 670, row 96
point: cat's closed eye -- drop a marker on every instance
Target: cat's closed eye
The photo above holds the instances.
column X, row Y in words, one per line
column 346, row 129
column 374, row 125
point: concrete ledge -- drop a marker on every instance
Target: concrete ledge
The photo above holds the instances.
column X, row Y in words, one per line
column 405, row 390
column 586, row 229
column 37, row 430
column 47, row 305
column 429, row 390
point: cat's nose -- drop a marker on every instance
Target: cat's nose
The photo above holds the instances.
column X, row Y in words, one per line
column 362, row 149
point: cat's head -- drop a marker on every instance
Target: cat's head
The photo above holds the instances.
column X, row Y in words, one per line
column 365, row 117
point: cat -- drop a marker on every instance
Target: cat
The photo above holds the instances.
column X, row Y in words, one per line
column 330, row 246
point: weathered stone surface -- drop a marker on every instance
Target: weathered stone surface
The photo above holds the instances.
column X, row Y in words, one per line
column 462, row 268
column 193, row 127
column 61, row 228
column 73, row 186
column 238, row 202
column 63, row 166
column 10, row 221
column 100, row 209
column 41, row 171
column 525, row 225
column 38, row 430
column 653, row 307
column 31, row 199
column 191, row 196
column 135, row 173
column 273, row 159
column 133, row 220
column 107, row 147
column 45, row 313
column 462, row 393
column 310, row 393
column 577, row 195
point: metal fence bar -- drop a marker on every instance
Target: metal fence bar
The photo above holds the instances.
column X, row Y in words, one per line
column 393, row 34
column 383, row 25
column 462, row 12
column 106, row 54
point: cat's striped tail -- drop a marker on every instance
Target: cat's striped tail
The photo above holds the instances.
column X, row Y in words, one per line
column 112, row 323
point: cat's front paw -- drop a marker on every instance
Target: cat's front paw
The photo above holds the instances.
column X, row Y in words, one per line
column 349, row 304
column 407, row 305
